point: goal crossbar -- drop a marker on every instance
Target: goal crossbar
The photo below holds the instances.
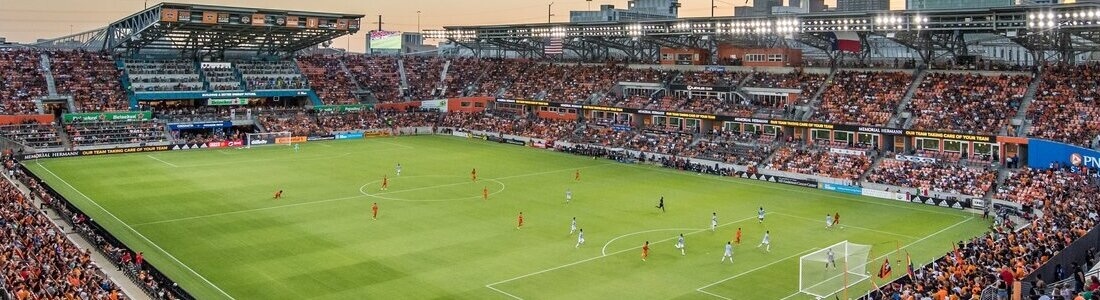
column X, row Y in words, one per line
column 848, row 263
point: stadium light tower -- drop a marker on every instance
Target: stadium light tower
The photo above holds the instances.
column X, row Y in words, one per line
column 548, row 13
column 418, row 21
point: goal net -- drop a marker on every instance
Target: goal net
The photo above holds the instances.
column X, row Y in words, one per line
column 821, row 275
column 267, row 138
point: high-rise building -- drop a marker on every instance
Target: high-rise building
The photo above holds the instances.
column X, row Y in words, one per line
column 637, row 10
column 957, row 4
column 863, row 5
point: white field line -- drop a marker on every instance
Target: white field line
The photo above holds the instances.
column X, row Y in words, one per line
column 143, row 237
column 701, row 289
column 160, row 160
column 345, row 198
column 604, row 254
column 854, row 227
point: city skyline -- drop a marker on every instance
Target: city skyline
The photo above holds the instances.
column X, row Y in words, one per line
column 26, row 21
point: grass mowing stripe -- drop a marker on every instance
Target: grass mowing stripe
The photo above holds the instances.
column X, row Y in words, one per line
column 854, row 227
column 173, row 257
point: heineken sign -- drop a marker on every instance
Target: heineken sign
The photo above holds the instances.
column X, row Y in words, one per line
column 231, row 101
column 108, row 116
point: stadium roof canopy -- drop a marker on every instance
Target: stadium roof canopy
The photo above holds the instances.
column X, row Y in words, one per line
column 208, row 30
column 1065, row 29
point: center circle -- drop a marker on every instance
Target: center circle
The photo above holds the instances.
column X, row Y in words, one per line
column 464, row 181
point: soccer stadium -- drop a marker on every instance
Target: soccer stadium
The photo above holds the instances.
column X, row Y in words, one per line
column 855, row 149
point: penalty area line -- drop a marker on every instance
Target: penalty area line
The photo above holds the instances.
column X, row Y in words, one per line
column 160, row 160
column 701, row 289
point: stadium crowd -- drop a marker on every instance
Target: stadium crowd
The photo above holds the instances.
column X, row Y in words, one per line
column 807, row 83
column 92, row 78
column 1067, row 105
column 820, row 162
column 967, row 103
column 22, row 81
column 862, row 97
column 941, row 177
column 327, row 78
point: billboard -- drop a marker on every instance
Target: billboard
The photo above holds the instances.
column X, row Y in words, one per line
column 384, row 40
column 1041, row 154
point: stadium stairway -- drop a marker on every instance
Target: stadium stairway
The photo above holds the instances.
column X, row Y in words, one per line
column 401, row 72
column 442, row 86
column 816, row 100
column 44, row 66
column 874, row 164
column 918, row 77
column 1020, row 121
column 127, row 284
column 743, row 81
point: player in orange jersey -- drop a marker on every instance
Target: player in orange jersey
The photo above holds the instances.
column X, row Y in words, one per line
column 520, row 220
column 374, row 209
column 385, row 182
column 473, row 174
column 737, row 240
column 279, row 194
column 645, row 250
column 577, row 175
column 485, row 193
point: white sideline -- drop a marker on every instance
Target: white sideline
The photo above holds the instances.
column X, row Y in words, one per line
column 157, row 159
column 109, row 213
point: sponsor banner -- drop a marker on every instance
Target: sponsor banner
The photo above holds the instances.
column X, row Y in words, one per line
column 703, row 88
column 952, row 203
column 847, row 151
column 440, row 104
column 49, row 155
column 288, row 140
column 1041, row 154
column 234, row 143
column 377, row 133
column 542, row 144
column 199, row 125
column 460, row 134
column 320, row 138
column 778, row 179
column 977, row 203
column 879, row 194
column 219, row 65
column 515, row 142
column 262, row 141
column 188, row 146
column 108, row 116
column 341, row 108
column 840, row 188
column 916, row 159
column 344, row 136
column 145, row 96
column 124, row 150
column 229, row 101
column 216, row 144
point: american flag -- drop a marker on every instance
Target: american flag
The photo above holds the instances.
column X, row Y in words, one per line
column 553, row 46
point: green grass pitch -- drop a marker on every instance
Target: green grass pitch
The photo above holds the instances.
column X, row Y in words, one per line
column 208, row 220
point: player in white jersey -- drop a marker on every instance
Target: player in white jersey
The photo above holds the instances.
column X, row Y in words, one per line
column 728, row 253
column 767, row 242
column 573, row 226
column 680, row 244
column 760, row 215
column 398, row 169
column 568, row 195
column 828, row 221
column 295, row 147
column 580, row 238
column 830, row 259
column 713, row 221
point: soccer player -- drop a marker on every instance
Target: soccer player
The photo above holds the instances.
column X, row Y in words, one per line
column 374, row 210
column 680, row 244
column 830, row 259
column 473, row 174
column 738, row 238
column 520, row 220
column 568, row 195
column 836, row 219
column 485, row 193
column 661, row 204
column 296, row 147
column 645, row 250
column 573, row 226
column 828, row 221
column 766, row 242
column 728, row 253
column 760, row 215
column 385, row 182
column 577, row 175
column 279, row 194
column 398, row 169
column 713, row 221
column 580, row 239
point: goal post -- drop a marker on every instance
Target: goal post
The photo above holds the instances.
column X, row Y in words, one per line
column 265, row 138
column 820, row 277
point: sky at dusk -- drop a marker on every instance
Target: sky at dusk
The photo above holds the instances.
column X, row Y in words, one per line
column 28, row 20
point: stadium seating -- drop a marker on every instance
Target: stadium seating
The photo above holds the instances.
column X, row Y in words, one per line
column 862, row 97
column 377, row 74
column 115, row 133
column 710, row 78
column 272, row 75
column 163, row 76
column 222, row 79
column 328, row 79
column 423, row 76
column 808, row 83
column 648, row 75
column 821, row 162
column 500, row 75
column 582, row 82
column 297, row 123
column 39, row 261
column 967, row 103
column 1067, row 105
column 733, row 148
column 464, row 73
column 22, row 81
column 936, row 177
column 534, row 80
column 91, row 78
column 515, row 125
column 33, row 135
